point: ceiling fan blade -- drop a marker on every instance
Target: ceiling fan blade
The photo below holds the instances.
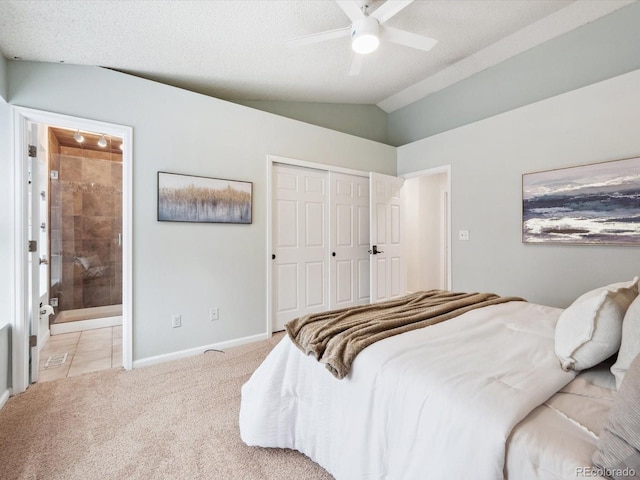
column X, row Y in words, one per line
column 408, row 39
column 351, row 8
column 319, row 37
column 356, row 64
column 389, row 9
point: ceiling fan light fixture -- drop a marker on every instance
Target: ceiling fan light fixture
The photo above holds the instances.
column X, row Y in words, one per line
column 364, row 35
column 102, row 143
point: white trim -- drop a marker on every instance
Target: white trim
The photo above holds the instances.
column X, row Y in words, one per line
column 191, row 352
column 271, row 159
column 20, row 330
column 436, row 171
column 44, row 339
column 22, row 115
column 269, row 244
column 80, row 325
column 4, row 397
column 429, row 171
column 317, row 166
column 127, row 248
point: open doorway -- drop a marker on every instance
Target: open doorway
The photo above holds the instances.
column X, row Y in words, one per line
column 427, row 229
column 73, row 256
column 83, row 228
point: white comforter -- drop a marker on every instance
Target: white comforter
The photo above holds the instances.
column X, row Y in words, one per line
column 433, row 403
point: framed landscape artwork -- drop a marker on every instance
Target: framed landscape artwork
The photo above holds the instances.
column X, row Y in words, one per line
column 597, row 204
column 188, row 198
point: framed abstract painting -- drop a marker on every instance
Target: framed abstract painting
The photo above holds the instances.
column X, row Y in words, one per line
column 189, row 198
column 597, row 204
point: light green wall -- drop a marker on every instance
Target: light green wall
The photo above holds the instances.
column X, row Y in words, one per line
column 3, row 77
column 366, row 121
column 594, row 52
column 6, row 232
column 188, row 268
column 570, row 101
column 5, row 358
column 488, row 158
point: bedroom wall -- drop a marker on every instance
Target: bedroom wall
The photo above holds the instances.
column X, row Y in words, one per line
column 6, row 235
column 3, row 77
column 592, row 124
column 366, row 121
column 5, row 374
column 601, row 49
column 188, row 268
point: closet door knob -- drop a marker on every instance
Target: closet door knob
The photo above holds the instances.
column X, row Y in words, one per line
column 273, row 256
column 333, row 254
column 374, row 250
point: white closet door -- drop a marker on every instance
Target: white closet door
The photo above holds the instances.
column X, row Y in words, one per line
column 349, row 226
column 299, row 242
column 388, row 275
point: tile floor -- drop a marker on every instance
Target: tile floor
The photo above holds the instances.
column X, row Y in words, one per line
column 87, row 351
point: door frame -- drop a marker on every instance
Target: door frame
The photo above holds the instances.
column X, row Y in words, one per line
column 271, row 160
column 446, row 169
column 18, row 171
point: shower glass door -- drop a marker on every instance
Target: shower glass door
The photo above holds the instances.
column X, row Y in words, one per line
column 86, row 231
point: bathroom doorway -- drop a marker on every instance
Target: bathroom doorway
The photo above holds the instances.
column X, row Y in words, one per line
column 31, row 332
column 83, row 224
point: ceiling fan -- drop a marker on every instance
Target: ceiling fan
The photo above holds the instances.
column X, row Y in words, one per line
column 366, row 30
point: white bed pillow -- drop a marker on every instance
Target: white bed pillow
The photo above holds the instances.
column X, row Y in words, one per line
column 630, row 346
column 590, row 330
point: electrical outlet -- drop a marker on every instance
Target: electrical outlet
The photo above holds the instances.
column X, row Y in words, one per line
column 176, row 321
column 463, row 235
column 213, row 314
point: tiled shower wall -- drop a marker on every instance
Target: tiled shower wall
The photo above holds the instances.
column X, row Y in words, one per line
column 86, row 221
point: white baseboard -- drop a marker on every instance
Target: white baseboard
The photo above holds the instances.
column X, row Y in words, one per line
column 43, row 340
column 145, row 362
column 80, row 325
column 4, row 397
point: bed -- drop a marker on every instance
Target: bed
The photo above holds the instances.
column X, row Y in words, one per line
column 479, row 396
column 557, row 439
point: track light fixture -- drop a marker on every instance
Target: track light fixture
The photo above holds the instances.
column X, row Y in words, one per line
column 78, row 137
column 102, row 143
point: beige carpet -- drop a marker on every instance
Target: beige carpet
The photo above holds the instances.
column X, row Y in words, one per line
column 177, row 420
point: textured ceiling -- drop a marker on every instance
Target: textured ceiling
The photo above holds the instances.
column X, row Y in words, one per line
column 236, row 50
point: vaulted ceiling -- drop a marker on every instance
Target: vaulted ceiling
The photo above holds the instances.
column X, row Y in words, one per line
column 237, row 49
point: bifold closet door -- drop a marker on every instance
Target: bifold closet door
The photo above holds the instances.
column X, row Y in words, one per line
column 349, row 231
column 300, row 243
